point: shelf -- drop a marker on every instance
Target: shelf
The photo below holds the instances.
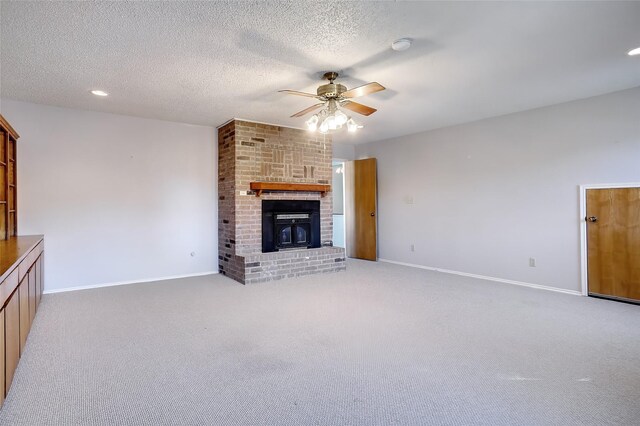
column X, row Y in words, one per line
column 260, row 187
column 8, row 181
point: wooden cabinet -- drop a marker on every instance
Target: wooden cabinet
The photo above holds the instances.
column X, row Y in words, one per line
column 8, row 180
column 21, row 266
column 21, row 284
column 2, row 361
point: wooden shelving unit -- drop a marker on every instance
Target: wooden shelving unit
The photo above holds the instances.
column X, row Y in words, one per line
column 260, row 187
column 8, row 180
column 21, row 266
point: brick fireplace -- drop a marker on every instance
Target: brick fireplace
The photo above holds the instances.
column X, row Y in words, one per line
column 254, row 152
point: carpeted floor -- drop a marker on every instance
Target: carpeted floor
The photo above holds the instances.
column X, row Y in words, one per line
column 378, row 344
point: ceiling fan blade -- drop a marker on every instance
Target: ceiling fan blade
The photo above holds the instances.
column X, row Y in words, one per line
column 365, row 89
column 307, row 110
column 295, row 92
column 359, row 108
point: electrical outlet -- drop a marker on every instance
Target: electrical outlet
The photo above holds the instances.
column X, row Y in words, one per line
column 413, row 248
column 532, row 262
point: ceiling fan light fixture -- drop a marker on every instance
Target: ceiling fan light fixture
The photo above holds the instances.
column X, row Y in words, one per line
column 341, row 118
column 352, row 126
column 312, row 123
column 324, row 127
column 335, row 98
column 331, row 122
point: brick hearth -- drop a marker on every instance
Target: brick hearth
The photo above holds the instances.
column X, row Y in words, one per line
column 255, row 152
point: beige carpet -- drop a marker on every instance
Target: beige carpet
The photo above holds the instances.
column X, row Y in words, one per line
column 378, row 344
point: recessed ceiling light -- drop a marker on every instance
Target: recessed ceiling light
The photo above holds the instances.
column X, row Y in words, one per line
column 401, row 44
column 99, row 93
column 634, row 52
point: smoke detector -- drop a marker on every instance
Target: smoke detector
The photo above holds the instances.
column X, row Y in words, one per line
column 401, row 44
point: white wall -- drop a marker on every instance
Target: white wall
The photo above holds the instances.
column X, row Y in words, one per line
column 118, row 198
column 343, row 151
column 489, row 195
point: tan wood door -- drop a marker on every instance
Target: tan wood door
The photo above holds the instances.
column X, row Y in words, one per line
column 613, row 243
column 361, row 209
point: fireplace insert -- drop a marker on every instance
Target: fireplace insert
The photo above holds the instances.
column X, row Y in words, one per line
column 290, row 224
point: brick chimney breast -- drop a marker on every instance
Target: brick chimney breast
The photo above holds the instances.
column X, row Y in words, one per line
column 255, row 152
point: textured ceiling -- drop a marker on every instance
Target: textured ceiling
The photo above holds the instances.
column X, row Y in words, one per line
column 206, row 62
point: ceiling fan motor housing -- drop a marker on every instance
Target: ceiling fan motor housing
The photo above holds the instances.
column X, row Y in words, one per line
column 331, row 90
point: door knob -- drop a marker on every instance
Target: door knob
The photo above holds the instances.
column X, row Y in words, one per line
column 373, row 214
column 592, row 219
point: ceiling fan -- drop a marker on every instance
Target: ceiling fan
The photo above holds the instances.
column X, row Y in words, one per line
column 335, row 96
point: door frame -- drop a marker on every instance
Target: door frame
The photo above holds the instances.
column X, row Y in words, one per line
column 344, row 198
column 584, row 270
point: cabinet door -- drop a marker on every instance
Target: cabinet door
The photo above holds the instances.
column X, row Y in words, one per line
column 32, row 293
column 25, row 324
column 38, row 269
column 2, row 356
column 41, row 274
column 12, row 338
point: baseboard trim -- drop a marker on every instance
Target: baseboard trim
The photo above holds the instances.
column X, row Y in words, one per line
column 485, row 277
column 146, row 280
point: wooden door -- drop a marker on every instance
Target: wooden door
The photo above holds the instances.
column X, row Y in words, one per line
column 613, row 243
column 361, row 209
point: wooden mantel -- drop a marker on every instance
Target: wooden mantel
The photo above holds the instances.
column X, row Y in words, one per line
column 259, row 187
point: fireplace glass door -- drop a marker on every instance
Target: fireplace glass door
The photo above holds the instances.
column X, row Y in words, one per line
column 290, row 224
column 292, row 230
